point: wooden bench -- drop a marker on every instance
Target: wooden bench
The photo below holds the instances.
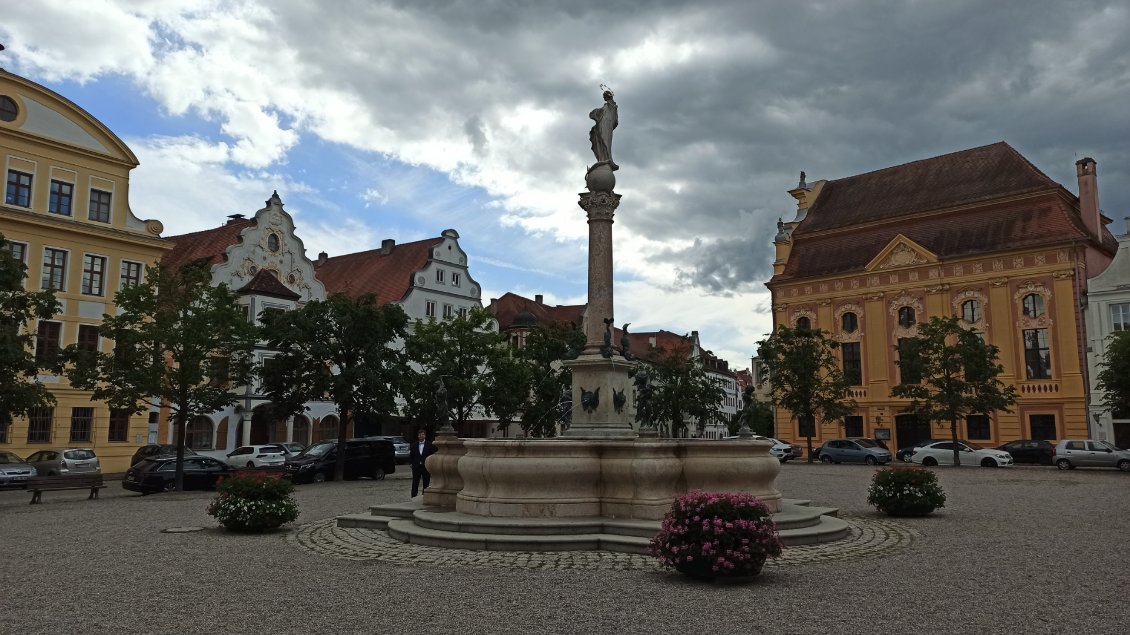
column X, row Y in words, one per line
column 39, row 484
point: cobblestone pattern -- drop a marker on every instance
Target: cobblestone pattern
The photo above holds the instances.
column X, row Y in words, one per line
column 870, row 538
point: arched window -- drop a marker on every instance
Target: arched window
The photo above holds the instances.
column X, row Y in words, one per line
column 198, row 434
column 1033, row 305
column 971, row 311
column 803, row 324
column 300, row 431
column 906, row 317
column 849, row 322
column 327, row 428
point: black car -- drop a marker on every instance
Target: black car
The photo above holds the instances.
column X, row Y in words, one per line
column 373, row 458
column 155, row 451
column 1030, row 451
column 159, row 475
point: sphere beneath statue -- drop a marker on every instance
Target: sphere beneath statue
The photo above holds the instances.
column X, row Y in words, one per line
column 600, row 178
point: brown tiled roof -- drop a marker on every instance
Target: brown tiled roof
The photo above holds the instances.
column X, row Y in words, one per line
column 973, row 193
column 510, row 305
column 209, row 244
column 266, row 282
column 387, row 275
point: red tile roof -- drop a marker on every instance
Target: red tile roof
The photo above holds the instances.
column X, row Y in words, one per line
column 266, row 282
column 387, row 275
column 510, row 305
column 209, row 244
column 956, row 205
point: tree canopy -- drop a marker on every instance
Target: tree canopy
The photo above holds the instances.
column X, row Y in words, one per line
column 684, row 392
column 1114, row 374
column 20, row 388
column 178, row 341
column 342, row 349
column 805, row 377
column 958, row 372
column 546, row 345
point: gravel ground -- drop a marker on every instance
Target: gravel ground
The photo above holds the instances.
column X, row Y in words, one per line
column 1016, row 550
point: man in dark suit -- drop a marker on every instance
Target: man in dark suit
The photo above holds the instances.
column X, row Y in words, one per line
column 421, row 450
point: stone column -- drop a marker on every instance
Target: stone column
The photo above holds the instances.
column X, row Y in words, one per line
column 600, row 206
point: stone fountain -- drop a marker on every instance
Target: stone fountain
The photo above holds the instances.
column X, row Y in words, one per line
column 601, row 485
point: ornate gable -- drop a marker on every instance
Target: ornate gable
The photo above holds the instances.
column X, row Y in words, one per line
column 901, row 252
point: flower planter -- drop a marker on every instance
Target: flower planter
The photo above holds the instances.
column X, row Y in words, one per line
column 905, row 492
column 254, row 503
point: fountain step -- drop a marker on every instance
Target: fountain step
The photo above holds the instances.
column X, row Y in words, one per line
column 364, row 521
column 398, row 510
column 410, row 532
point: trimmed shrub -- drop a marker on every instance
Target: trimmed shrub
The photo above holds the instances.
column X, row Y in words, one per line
column 905, row 491
column 254, row 502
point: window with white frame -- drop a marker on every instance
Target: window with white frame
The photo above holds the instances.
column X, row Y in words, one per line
column 62, row 198
column 430, row 308
column 131, row 275
column 18, row 191
column 439, row 276
column 1120, row 317
column 99, row 206
column 447, row 311
column 93, row 274
column 455, row 277
column 54, row 269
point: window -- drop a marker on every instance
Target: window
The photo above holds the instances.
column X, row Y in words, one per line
column 849, row 323
column 62, row 195
column 1120, row 317
column 853, row 366
column 198, row 434
column 8, row 109
column 455, row 279
column 18, row 251
column 87, row 338
column 131, row 274
column 82, row 424
column 803, row 324
column 19, row 189
column 430, row 308
column 1043, row 427
column 39, row 425
column 971, row 313
column 462, row 311
column 47, row 341
column 272, row 243
column 853, row 426
column 119, row 425
column 54, row 269
column 447, row 311
column 99, row 206
column 806, row 426
column 4, row 433
column 906, row 317
column 439, row 276
column 977, row 427
column 908, row 372
column 1037, row 356
column 93, row 274
column 1033, row 305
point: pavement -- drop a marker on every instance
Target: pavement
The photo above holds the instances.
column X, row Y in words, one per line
column 1015, row 550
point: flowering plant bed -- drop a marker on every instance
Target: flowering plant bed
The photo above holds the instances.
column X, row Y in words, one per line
column 717, row 535
column 254, row 502
column 905, row 491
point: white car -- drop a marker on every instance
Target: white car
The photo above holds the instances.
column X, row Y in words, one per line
column 256, row 456
column 781, row 451
column 941, row 453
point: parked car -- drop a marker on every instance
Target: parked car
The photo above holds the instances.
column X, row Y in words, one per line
column 402, row 448
column 941, row 453
column 292, row 448
column 797, row 451
column 781, row 451
column 369, row 457
column 903, row 454
column 14, row 471
column 1073, row 453
column 71, row 461
column 159, row 474
column 855, row 450
column 271, row 455
column 1030, row 451
column 153, row 451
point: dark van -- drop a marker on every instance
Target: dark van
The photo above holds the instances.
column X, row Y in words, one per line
column 371, row 458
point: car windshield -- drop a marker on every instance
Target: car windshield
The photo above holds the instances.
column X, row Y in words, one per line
column 867, row 443
column 8, row 457
column 78, row 455
column 319, row 449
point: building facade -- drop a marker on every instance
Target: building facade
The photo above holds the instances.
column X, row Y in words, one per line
column 1108, row 312
column 979, row 234
column 66, row 212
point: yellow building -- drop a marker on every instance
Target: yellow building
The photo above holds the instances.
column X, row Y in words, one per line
column 980, row 234
column 66, row 213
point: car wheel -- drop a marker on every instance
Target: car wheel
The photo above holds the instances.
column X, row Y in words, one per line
column 251, row 464
column 1063, row 464
column 870, row 460
column 171, row 486
column 825, row 459
column 1124, row 465
column 930, row 461
column 906, row 457
column 986, row 462
column 319, row 477
column 379, row 474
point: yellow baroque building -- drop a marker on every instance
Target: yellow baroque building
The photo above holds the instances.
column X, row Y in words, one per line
column 980, row 234
column 66, row 214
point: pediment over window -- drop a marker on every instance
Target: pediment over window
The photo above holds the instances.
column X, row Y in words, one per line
column 901, row 252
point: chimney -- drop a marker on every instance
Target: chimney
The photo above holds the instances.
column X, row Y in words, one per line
column 1089, row 196
column 234, row 218
column 538, row 298
column 386, row 245
column 322, row 258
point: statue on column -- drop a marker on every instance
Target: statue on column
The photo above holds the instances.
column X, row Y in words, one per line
column 606, row 118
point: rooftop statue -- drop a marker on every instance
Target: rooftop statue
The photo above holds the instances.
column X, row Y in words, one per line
column 600, row 136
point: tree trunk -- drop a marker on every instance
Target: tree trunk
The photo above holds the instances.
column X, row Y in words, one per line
column 809, row 449
column 342, row 431
column 953, row 437
column 180, row 420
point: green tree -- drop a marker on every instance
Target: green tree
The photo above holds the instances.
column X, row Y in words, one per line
column 20, row 388
column 683, row 391
column 805, row 377
column 758, row 415
column 958, row 372
column 464, row 352
column 179, row 341
column 545, row 347
column 1114, row 373
column 341, row 349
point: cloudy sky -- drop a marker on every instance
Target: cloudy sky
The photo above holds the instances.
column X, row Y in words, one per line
column 398, row 119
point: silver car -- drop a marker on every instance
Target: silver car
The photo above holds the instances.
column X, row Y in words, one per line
column 855, row 450
column 14, row 471
column 1073, row 453
column 68, row 462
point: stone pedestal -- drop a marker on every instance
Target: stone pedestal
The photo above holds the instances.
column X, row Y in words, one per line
column 443, row 466
column 605, row 378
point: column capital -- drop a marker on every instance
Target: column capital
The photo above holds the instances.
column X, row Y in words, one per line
column 599, row 205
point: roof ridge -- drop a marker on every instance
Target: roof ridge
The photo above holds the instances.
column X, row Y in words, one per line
column 241, row 221
column 933, row 158
column 433, row 240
